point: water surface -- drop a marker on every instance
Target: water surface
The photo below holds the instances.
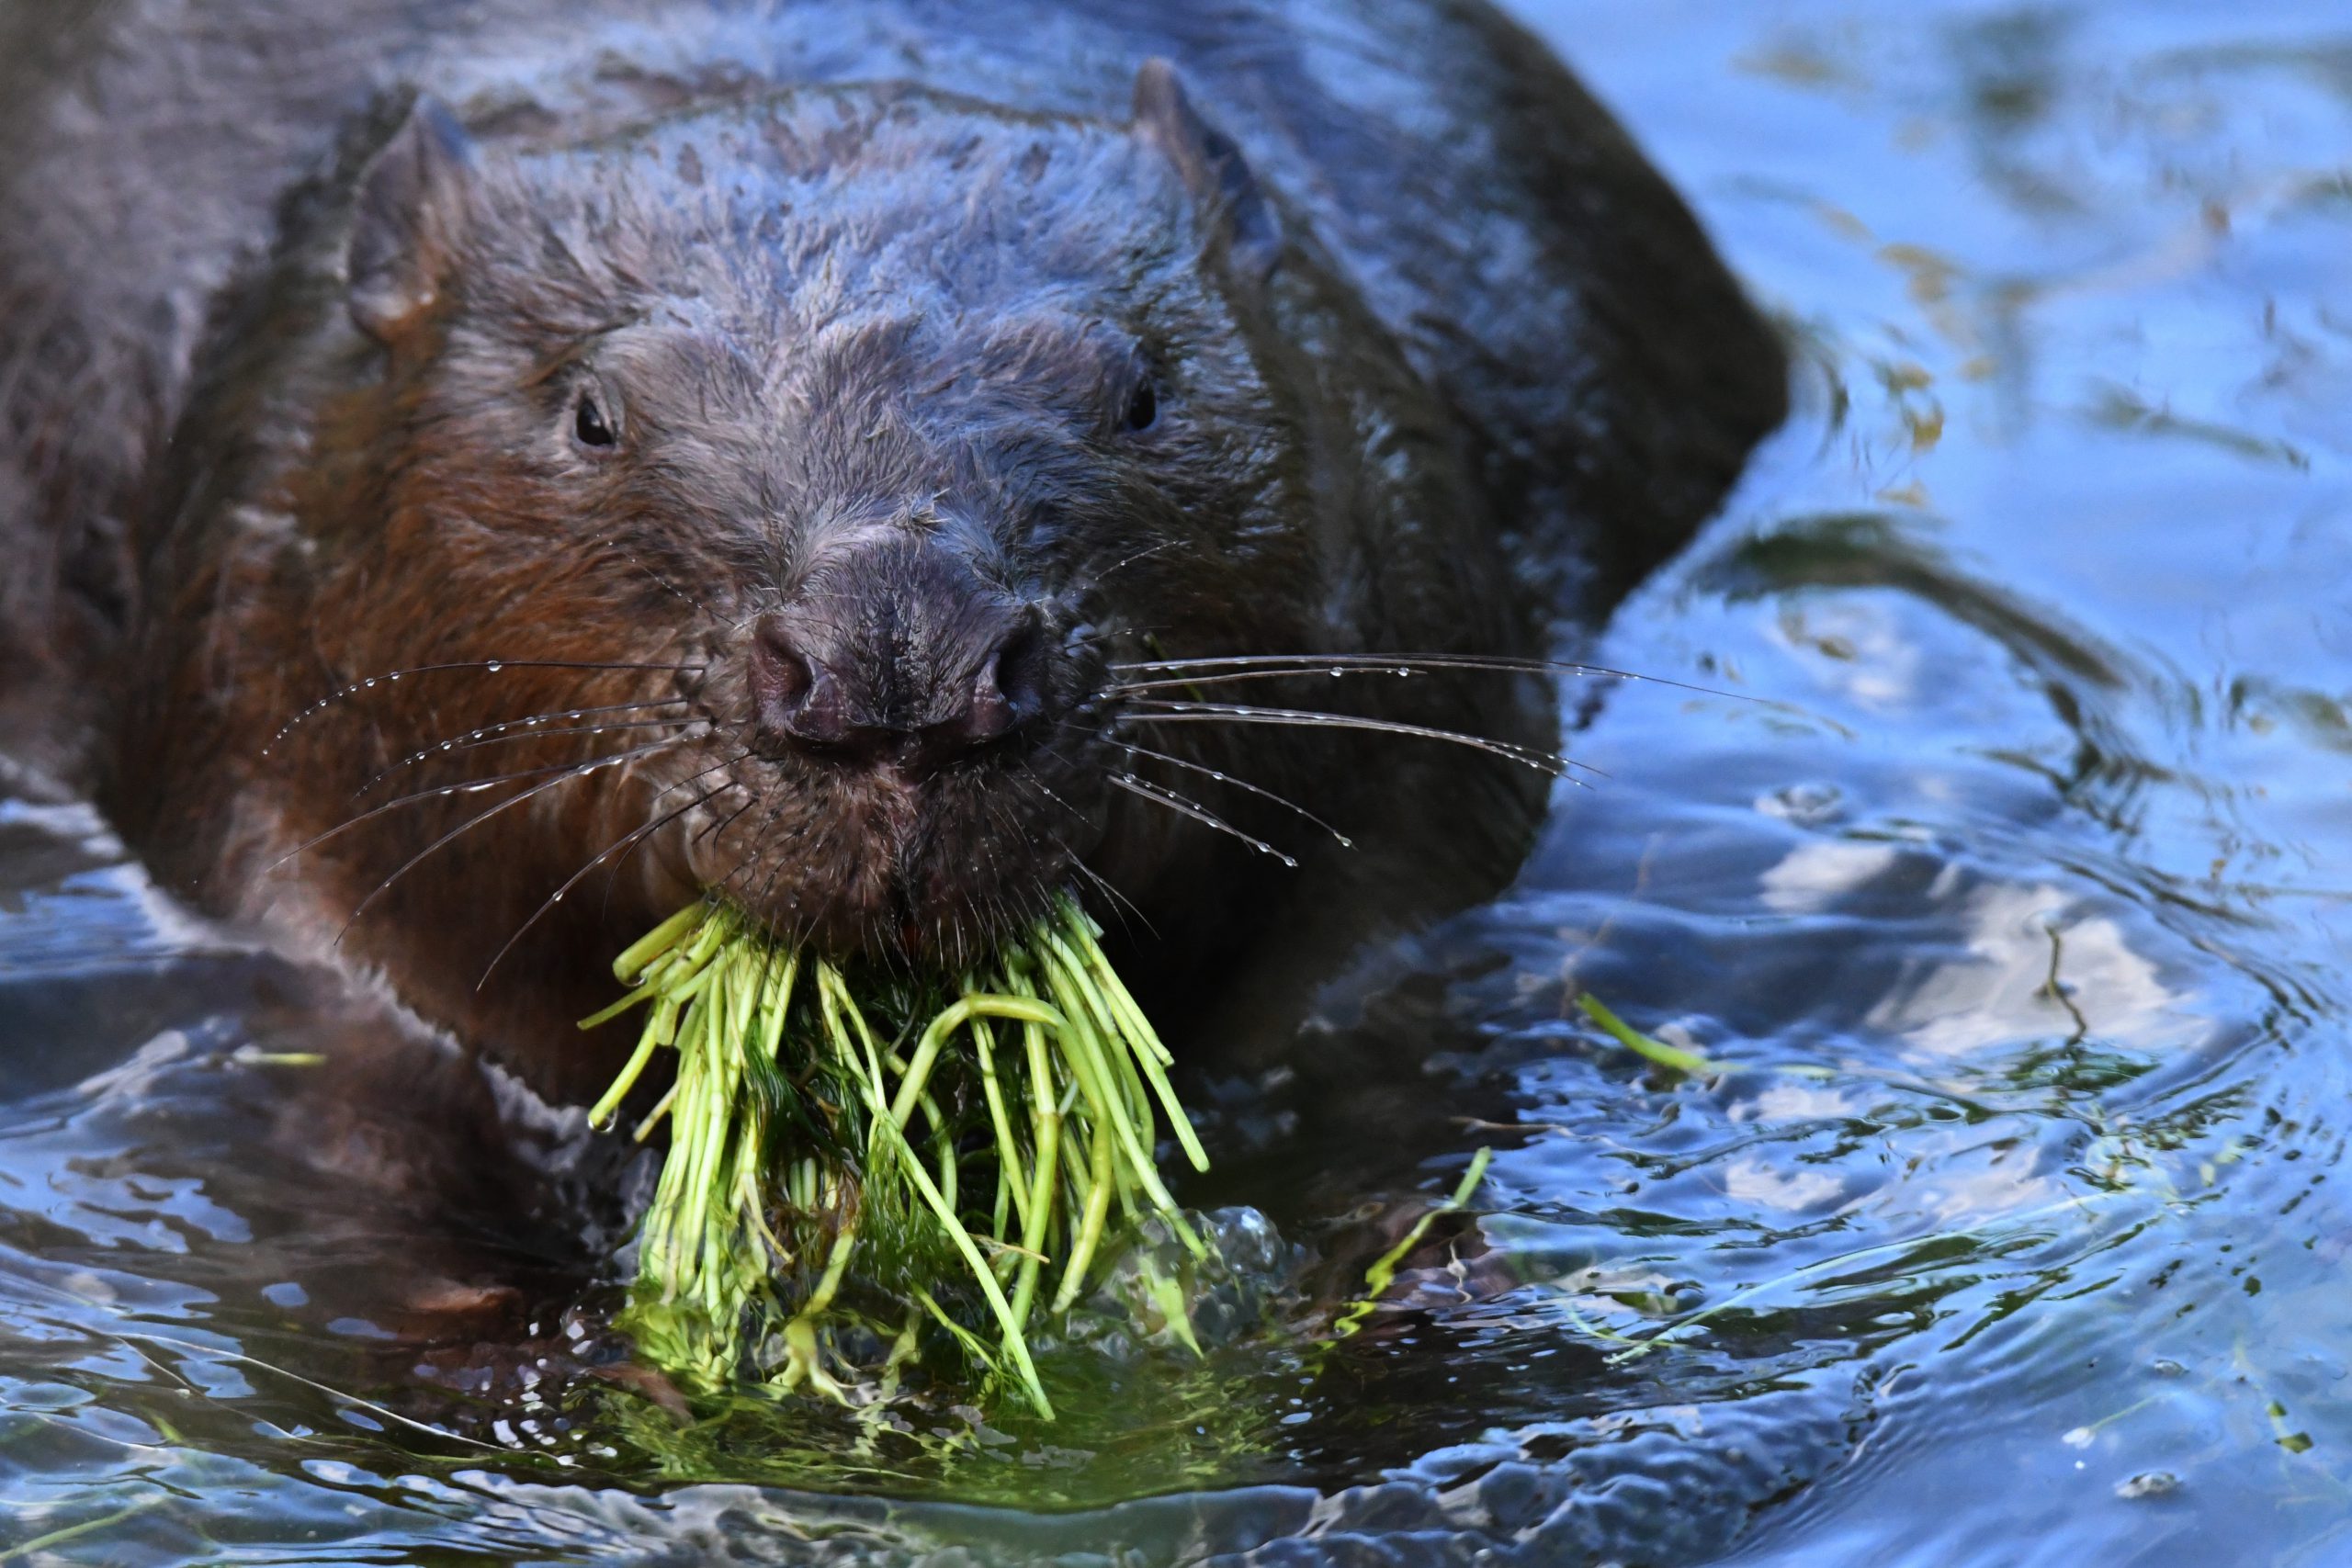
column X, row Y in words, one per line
column 2009, row 1231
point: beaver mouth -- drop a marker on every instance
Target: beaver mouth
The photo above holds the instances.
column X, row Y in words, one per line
column 883, row 849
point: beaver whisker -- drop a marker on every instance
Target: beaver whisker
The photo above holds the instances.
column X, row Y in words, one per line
column 1105, row 575
column 1105, row 883
column 603, row 726
column 1198, row 813
column 552, row 899
column 723, row 823
column 1077, row 863
column 622, row 864
column 1006, row 819
column 459, row 830
column 758, row 851
column 1271, row 666
column 468, row 787
column 1244, row 784
column 749, row 857
column 635, row 836
column 528, row 723
column 487, row 666
column 1030, row 776
column 1306, row 719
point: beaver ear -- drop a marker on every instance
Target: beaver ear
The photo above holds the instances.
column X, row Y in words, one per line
column 409, row 219
column 1211, row 165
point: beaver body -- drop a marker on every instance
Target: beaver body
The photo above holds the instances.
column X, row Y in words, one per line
column 497, row 467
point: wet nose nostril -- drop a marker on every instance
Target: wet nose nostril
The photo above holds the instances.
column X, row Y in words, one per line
column 792, row 692
column 780, row 674
column 1019, row 670
column 1008, row 689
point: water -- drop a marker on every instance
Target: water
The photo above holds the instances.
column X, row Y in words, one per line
column 2008, row 1234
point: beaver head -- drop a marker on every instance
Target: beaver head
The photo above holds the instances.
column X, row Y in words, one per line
column 762, row 502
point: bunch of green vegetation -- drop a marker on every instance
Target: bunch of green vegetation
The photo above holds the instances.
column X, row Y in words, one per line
column 827, row 1125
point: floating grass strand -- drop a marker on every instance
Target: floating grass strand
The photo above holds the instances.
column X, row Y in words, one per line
column 835, row 1134
column 1383, row 1272
column 1672, row 1058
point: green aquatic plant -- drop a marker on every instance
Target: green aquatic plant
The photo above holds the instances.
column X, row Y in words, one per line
column 1672, row 1058
column 1382, row 1271
column 828, row 1123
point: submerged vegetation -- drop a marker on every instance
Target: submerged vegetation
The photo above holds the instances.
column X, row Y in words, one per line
column 855, row 1159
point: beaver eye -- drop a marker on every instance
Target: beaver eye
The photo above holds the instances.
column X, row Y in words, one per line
column 590, row 427
column 1143, row 407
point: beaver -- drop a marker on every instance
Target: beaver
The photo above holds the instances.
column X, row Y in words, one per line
column 483, row 473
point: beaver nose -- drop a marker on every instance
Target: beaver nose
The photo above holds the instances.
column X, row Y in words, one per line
column 919, row 689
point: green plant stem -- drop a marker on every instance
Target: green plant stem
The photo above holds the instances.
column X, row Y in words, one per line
column 1383, row 1272
column 1633, row 1040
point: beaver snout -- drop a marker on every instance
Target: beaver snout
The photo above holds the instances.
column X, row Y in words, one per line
column 894, row 654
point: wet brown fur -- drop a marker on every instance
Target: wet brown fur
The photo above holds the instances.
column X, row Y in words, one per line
column 869, row 338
